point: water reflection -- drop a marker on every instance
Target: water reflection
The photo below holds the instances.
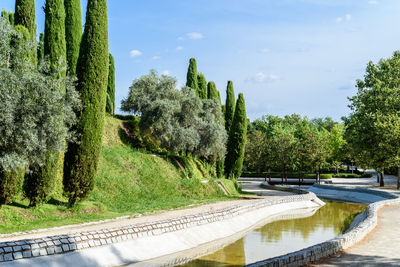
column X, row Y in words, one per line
column 281, row 237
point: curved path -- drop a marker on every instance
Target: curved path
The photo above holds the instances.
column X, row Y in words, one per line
column 379, row 248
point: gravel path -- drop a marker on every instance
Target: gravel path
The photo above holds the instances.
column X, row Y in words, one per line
column 379, row 248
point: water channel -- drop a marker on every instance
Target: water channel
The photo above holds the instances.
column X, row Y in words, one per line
column 284, row 236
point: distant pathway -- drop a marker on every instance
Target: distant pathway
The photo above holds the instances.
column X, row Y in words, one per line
column 380, row 248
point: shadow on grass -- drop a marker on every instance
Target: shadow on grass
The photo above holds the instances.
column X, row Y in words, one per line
column 57, row 202
column 18, row 205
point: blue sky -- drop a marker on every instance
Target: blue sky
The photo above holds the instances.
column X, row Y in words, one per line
column 286, row 56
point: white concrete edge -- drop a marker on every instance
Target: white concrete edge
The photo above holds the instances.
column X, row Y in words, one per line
column 360, row 228
column 149, row 247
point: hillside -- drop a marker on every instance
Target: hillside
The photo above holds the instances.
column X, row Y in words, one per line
column 129, row 181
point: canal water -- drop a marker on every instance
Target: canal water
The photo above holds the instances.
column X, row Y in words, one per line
column 284, row 236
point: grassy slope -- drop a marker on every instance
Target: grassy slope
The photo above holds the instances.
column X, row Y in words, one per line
column 128, row 182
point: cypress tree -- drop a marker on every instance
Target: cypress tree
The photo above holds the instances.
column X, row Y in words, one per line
column 73, row 32
column 81, row 159
column 212, row 91
column 11, row 18
column 25, row 15
column 54, row 33
column 110, row 103
column 40, row 181
column 229, row 106
column 236, row 141
column 191, row 77
column 202, row 83
column 40, row 47
column 8, row 15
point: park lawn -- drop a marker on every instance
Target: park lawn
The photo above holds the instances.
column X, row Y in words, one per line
column 128, row 182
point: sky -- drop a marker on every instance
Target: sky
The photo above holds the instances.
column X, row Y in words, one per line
column 285, row 56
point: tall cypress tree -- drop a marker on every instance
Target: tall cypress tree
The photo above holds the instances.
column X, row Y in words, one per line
column 82, row 157
column 40, row 181
column 40, row 47
column 191, row 77
column 236, row 141
column 54, row 34
column 202, row 83
column 73, row 32
column 25, row 15
column 110, row 103
column 229, row 106
column 212, row 91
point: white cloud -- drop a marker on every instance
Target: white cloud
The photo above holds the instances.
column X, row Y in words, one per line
column 339, row 19
column 156, row 57
column 372, row 2
column 261, row 77
column 165, row 72
column 135, row 53
column 265, row 50
column 195, row 35
column 179, row 48
column 348, row 17
column 180, row 38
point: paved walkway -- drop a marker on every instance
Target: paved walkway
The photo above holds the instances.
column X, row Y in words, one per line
column 379, row 248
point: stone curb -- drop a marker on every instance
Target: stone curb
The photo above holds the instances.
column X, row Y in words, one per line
column 333, row 246
column 28, row 248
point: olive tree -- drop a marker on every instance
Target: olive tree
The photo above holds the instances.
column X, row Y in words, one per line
column 35, row 115
column 182, row 122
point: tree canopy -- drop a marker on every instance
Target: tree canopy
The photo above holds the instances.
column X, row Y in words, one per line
column 182, row 122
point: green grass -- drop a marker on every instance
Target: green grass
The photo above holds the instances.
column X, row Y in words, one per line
column 128, row 182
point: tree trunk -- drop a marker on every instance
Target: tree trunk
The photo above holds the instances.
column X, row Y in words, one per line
column 398, row 178
column 382, row 183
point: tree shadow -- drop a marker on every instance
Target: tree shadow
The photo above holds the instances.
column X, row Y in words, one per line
column 57, row 202
column 353, row 260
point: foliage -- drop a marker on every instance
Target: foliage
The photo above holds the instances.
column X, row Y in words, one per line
column 8, row 15
column 191, row 77
column 110, row 102
column 25, row 16
column 293, row 144
column 202, row 83
column 212, row 92
column 255, row 157
column 39, row 180
column 373, row 129
column 182, row 122
column 229, row 105
column 336, row 145
column 82, row 158
column 40, row 48
column 73, row 33
column 54, row 34
column 236, row 141
column 45, row 112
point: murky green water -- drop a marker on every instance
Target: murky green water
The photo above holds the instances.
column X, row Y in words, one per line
column 281, row 237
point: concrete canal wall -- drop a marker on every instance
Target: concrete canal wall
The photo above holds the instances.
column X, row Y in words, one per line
column 362, row 225
column 140, row 242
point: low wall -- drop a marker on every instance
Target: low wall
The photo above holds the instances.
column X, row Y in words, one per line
column 367, row 222
column 118, row 246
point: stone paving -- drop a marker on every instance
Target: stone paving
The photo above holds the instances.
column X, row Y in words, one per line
column 379, row 248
